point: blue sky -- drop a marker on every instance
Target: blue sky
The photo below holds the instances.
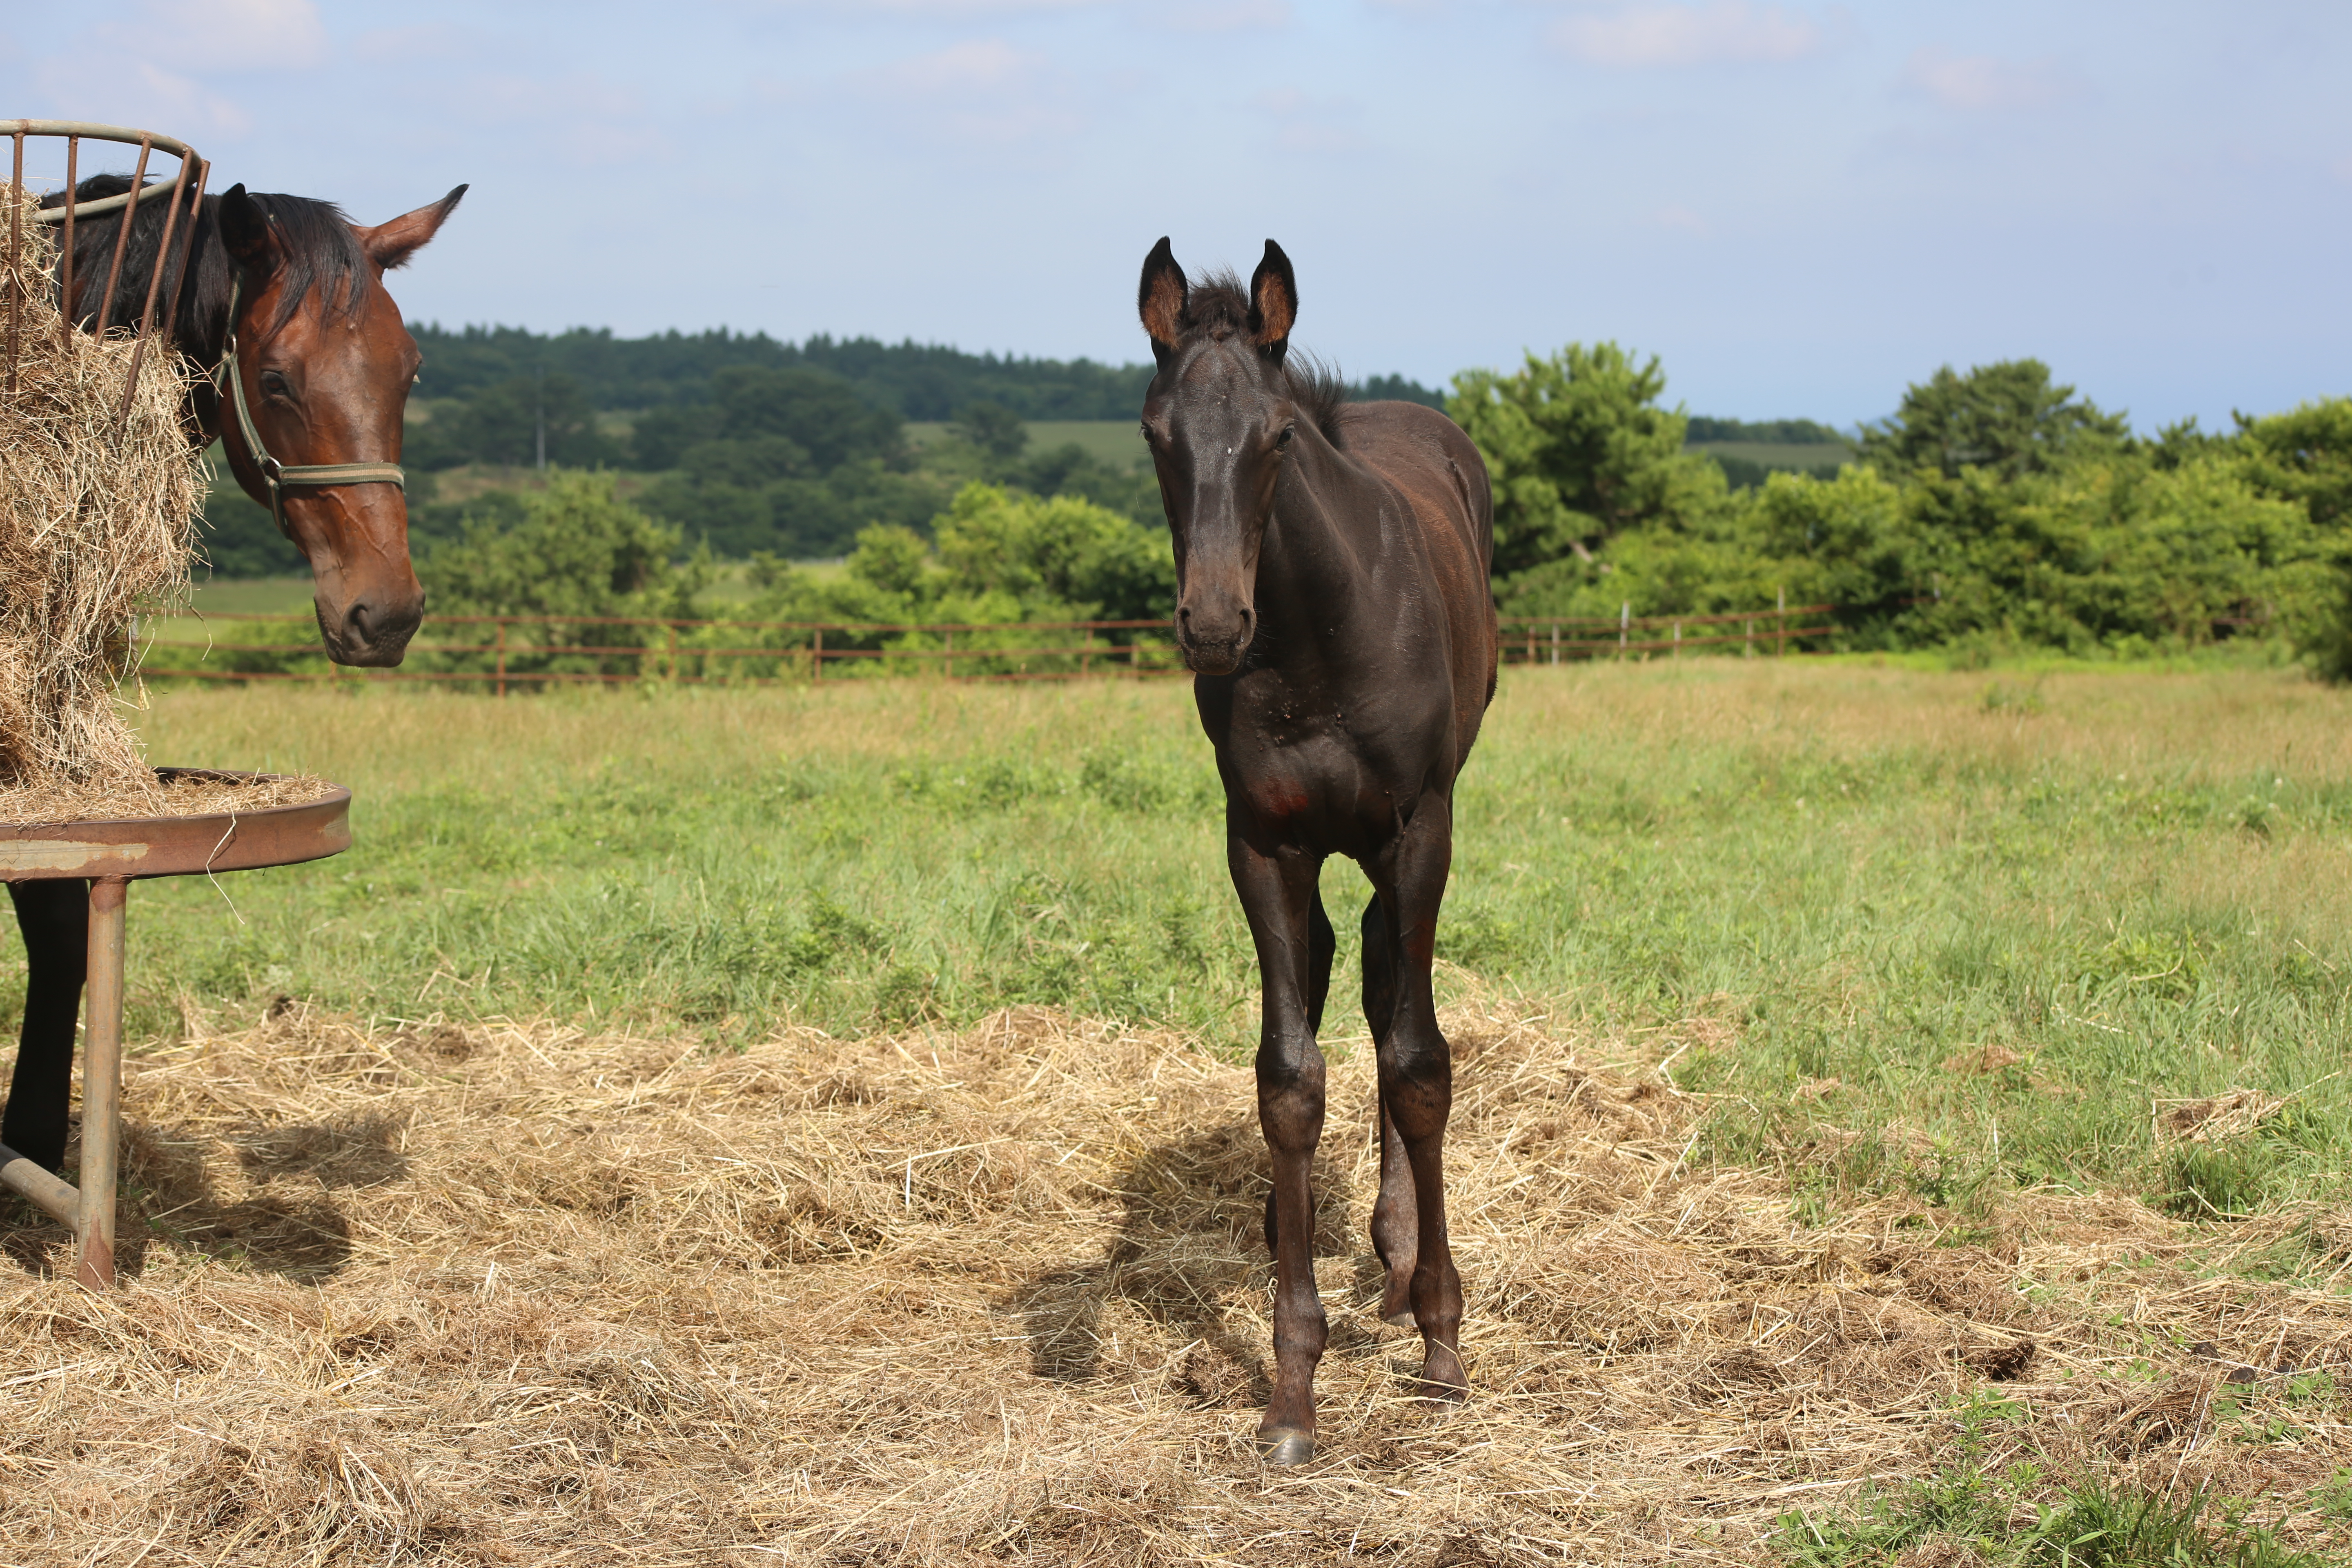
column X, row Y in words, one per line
column 1799, row 207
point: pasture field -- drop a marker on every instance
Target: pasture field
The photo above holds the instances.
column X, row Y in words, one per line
column 1112, row 441
column 1903, row 1116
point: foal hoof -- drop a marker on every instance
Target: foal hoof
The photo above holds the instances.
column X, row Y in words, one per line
column 1401, row 1319
column 1285, row 1446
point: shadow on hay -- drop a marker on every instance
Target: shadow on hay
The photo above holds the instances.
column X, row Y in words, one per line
column 1188, row 1251
column 289, row 1226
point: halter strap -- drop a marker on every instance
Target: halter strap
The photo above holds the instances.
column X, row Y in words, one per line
column 277, row 476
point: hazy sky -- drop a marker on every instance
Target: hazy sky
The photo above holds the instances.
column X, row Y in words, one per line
column 1800, row 208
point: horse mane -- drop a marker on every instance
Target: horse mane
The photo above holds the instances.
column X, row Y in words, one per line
column 322, row 255
column 1220, row 305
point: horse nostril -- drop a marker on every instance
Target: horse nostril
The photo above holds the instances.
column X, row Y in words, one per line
column 356, row 620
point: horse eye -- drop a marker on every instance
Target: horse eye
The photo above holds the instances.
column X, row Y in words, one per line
column 1284, row 439
column 274, row 384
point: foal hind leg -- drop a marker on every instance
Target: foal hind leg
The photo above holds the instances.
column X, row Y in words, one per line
column 1396, row 1228
column 1417, row 1079
column 1321, row 943
column 54, row 916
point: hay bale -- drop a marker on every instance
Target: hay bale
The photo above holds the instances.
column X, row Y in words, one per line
column 97, row 524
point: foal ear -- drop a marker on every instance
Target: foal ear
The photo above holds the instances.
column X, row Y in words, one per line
column 245, row 231
column 1274, row 303
column 389, row 244
column 1159, row 299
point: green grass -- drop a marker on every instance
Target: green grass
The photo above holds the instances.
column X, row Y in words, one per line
column 253, row 596
column 2136, row 887
column 1113, row 441
column 2007, row 1514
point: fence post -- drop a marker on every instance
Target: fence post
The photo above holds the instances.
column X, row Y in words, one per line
column 673, row 653
column 502, row 657
column 1086, row 658
column 947, row 657
column 1747, row 649
column 1780, row 646
column 816, row 655
column 1624, row 622
column 1679, row 639
column 1555, row 642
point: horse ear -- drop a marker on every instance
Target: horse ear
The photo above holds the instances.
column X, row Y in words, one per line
column 1159, row 299
column 389, row 244
column 245, row 231
column 1274, row 303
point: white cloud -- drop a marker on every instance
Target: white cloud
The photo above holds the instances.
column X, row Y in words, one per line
column 1306, row 123
column 975, row 64
column 1234, row 16
column 225, row 35
column 140, row 94
column 958, row 10
column 981, row 89
column 1681, row 219
column 1690, row 35
column 1984, row 81
column 408, row 46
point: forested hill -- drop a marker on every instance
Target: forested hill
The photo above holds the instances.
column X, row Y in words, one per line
column 915, row 381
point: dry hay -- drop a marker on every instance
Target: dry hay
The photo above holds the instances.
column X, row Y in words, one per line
column 516, row 1294
column 168, row 794
column 97, row 524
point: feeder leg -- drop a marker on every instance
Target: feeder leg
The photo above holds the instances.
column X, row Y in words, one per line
column 101, row 1085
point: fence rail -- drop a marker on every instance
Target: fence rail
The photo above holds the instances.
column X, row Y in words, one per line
column 501, row 652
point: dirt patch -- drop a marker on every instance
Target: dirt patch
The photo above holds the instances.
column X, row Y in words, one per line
column 516, row 1294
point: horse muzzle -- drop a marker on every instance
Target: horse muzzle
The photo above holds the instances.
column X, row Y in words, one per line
column 372, row 631
column 1213, row 642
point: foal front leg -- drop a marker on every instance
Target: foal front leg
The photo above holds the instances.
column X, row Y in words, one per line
column 1417, row 1079
column 54, row 916
column 1278, row 888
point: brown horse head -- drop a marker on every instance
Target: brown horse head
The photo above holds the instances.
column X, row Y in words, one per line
column 325, row 366
column 1220, row 417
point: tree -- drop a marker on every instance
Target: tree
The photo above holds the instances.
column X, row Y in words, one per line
column 820, row 411
column 993, row 428
column 1579, row 451
column 2304, row 455
column 580, row 549
column 503, row 424
column 2005, row 417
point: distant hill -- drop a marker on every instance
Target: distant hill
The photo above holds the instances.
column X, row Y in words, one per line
column 921, row 381
column 1771, row 432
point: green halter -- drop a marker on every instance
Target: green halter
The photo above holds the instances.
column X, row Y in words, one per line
column 277, row 475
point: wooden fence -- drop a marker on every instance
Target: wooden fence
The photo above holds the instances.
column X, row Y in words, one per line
column 500, row 653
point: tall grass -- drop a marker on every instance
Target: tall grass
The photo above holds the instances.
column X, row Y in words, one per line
column 1947, row 935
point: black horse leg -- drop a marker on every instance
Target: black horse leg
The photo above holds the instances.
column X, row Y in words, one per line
column 1321, row 943
column 1417, row 1079
column 1396, row 1224
column 54, row 916
column 1277, row 885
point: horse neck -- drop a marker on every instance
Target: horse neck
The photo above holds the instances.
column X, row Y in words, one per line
column 1327, row 538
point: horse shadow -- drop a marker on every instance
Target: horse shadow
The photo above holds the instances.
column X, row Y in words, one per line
column 1189, row 1244
column 289, row 1224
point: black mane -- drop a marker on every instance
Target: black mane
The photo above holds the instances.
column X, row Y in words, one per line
column 321, row 254
column 1220, row 305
